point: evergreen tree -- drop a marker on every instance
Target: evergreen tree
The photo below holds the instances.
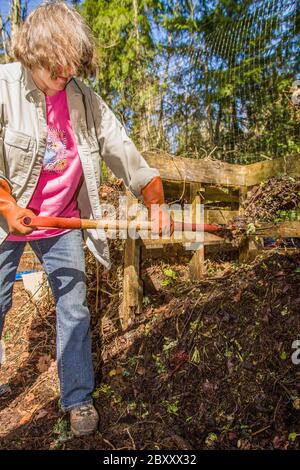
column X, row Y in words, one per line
column 126, row 50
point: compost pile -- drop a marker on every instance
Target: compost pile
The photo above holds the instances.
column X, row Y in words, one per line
column 217, row 359
column 274, row 201
column 273, row 198
column 208, row 365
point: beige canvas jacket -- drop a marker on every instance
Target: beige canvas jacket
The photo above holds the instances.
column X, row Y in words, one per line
column 98, row 133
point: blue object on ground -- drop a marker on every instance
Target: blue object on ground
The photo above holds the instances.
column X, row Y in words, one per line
column 288, row 242
column 20, row 274
column 269, row 241
column 4, row 388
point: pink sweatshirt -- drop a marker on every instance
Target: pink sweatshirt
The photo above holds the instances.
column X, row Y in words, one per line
column 55, row 193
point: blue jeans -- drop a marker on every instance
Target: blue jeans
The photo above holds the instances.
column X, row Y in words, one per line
column 63, row 260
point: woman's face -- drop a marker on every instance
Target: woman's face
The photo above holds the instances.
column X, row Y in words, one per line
column 51, row 85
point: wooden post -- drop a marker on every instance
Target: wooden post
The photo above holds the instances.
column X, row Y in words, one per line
column 249, row 247
column 244, row 247
column 132, row 285
column 196, row 265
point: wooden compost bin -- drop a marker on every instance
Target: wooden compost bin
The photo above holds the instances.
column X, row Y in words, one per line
column 222, row 188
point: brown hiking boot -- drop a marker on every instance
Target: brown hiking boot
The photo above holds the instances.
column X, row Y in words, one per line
column 84, row 420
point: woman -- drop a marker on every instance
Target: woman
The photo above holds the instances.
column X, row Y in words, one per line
column 54, row 132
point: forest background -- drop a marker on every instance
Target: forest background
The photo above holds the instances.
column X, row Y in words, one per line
column 197, row 78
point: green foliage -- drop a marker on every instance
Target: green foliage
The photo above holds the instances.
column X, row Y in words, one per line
column 168, row 345
column 200, row 78
column 105, row 389
column 291, row 215
column 160, row 366
column 61, row 432
column 127, row 78
column 171, row 276
column 196, row 356
column 251, row 229
column 211, row 439
column 146, row 300
column 172, row 406
column 134, row 360
column 283, row 355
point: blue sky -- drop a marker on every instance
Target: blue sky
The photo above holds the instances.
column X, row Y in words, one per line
column 5, row 6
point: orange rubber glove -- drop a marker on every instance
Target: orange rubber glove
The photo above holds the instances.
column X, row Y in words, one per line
column 12, row 212
column 154, row 200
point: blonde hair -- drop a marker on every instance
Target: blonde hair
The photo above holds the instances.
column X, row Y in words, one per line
column 55, row 35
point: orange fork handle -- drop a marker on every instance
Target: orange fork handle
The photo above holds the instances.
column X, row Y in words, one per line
column 52, row 222
column 76, row 223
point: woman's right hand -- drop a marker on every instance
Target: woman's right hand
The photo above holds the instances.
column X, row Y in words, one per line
column 14, row 219
column 13, row 213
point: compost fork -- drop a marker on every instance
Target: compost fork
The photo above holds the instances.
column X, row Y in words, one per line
column 107, row 224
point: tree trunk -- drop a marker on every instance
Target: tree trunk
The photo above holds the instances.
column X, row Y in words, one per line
column 208, row 103
column 15, row 20
column 4, row 41
column 136, row 24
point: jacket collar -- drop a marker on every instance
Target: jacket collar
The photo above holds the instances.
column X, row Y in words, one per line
column 73, row 87
column 27, row 81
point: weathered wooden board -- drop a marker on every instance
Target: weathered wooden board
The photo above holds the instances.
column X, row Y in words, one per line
column 211, row 216
column 260, row 171
column 216, row 172
column 191, row 170
column 175, row 190
column 213, row 193
column 219, row 216
column 209, row 238
column 284, row 229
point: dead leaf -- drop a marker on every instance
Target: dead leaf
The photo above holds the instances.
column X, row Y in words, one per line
column 29, row 397
column 41, row 414
column 278, row 441
column 106, row 191
column 24, row 356
column 141, row 370
column 230, row 366
column 243, row 444
column 237, row 297
column 44, row 363
column 25, row 419
column 208, row 387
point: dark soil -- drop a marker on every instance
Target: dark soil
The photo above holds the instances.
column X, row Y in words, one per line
column 207, row 365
